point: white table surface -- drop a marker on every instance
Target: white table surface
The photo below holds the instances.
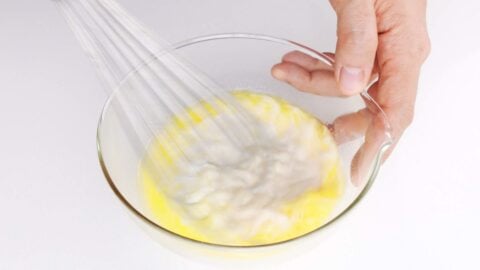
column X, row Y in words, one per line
column 57, row 212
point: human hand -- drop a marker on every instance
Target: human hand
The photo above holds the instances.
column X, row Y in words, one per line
column 387, row 38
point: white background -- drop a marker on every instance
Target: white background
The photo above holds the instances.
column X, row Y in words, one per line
column 57, row 212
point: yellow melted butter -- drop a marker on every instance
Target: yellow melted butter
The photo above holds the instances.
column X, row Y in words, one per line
column 308, row 212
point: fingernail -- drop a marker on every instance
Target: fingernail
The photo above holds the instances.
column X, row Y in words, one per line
column 279, row 74
column 351, row 80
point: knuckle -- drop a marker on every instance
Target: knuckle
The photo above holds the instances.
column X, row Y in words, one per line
column 421, row 49
column 416, row 48
column 357, row 38
column 342, row 94
column 302, row 87
column 337, row 5
column 406, row 117
column 426, row 47
column 333, row 3
column 409, row 117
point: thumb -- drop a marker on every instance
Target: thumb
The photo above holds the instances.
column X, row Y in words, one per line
column 356, row 44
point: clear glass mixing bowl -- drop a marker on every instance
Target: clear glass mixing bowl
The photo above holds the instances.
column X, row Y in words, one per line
column 243, row 61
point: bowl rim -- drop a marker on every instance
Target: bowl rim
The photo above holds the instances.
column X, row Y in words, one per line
column 206, row 38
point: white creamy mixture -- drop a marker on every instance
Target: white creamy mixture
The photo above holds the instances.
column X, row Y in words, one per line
column 241, row 188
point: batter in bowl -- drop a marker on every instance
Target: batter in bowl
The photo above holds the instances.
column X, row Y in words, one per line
column 203, row 184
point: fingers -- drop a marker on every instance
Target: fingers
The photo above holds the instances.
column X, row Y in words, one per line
column 306, row 61
column 309, row 74
column 355, row 54
column 365, row 159
column 302, row 75
column 396, row 92
column 399, row 58
column 356, row 44
column 351, row 126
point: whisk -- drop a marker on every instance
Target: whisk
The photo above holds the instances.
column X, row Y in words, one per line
column 159, row 81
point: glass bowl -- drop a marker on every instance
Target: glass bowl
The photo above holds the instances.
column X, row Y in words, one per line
column 240, row 61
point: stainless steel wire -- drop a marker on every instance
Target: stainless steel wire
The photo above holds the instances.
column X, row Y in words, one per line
column 152, row 79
